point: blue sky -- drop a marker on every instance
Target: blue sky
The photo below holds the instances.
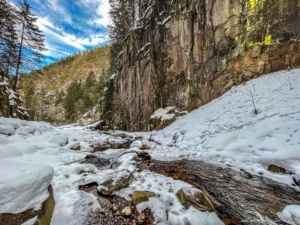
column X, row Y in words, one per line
column 71, row 26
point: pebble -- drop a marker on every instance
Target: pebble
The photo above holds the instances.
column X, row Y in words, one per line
column 114, row 208
column 126, row 211
column 141, row 218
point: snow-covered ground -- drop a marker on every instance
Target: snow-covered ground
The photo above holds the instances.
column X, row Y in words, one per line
column 32, row 153
column 228, row 133
column 224, row 132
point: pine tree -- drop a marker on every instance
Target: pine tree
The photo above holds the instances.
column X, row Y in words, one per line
column 31, row 41
column 72, row 104
column 8, row 37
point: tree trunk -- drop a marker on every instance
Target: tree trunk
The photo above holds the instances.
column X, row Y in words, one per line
column 14, row 86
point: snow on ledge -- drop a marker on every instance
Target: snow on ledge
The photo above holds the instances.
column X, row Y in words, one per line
column 23, row 186
column 164, row 114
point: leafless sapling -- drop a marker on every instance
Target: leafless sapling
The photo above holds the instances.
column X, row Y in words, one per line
column 250, row 91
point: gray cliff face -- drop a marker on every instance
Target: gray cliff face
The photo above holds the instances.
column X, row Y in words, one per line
column 188, row 52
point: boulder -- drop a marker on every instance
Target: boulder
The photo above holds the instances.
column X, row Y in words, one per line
column 110, row 186
column 276, row 169
column 121, row 144
column 43, row 215
column 76, row 148
column 141, row 196
column 145, row 145
column 100, row 163
column 143, row 156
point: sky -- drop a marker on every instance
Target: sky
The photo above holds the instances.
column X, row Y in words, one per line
column 71, row 26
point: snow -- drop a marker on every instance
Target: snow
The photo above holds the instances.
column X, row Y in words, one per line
column 143, row 48
column 23, row 186
column 30, row 221
column 226, row 132
column 290, row 215
column 165, row 206
column 163, row 114
column 8, row 152
column 164, row 21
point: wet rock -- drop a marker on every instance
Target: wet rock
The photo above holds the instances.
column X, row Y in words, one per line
column 145, row 147
column 122, row 144
column 276, row 169
column 76, row 148
column 196, row 198
column 138, row 138
column 141, row 196
column 115, row 165
column 296, row 182
column 44, row 215
column 113, row 143
column 126, row 211
column 109, row 186
column 143, row 156
column 100, row 147
column 246, row 175
column 96, row 161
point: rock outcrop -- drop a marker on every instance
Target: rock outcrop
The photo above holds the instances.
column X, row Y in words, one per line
column 184, row 53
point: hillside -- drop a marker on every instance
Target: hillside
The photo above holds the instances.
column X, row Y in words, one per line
column 45, row 91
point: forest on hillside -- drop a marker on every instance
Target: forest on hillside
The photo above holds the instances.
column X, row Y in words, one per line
column 64, row 91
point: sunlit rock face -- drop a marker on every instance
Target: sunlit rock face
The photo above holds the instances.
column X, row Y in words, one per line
column 190, row 52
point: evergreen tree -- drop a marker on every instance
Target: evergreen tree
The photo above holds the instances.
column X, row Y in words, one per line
column 90, row 90
column 71, row 101
column 31, row 40
column 8, row 37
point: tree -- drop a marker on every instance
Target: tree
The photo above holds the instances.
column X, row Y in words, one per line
column 8, row 37
column 73, row 95
column 30, row 40
column 250, row 91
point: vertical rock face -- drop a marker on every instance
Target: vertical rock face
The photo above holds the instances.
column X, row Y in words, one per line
column 188, row 52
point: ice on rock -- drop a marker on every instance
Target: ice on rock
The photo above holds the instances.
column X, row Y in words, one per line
column 60, row 140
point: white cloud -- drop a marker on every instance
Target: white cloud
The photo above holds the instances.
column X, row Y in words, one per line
column 54, row 36
column 102, row 12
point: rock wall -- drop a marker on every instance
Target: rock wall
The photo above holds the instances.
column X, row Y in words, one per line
column 184, row 53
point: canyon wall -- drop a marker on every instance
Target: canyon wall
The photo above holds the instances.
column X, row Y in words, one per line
column 184, row 53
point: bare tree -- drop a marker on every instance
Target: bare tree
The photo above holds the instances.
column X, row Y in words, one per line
column 290, row 83
column 250, row 91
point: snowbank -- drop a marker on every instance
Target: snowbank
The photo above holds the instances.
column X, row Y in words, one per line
column 23, row 186
column 9, row 126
